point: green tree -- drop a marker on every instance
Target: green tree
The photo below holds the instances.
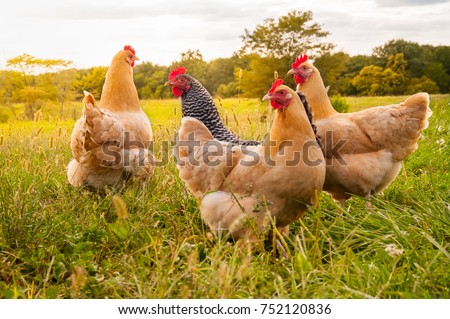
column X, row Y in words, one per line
column 193, row 61
column 34, row 93
column 33, row 98
column 353, row 65
column 154, row 85
column 228, row 90
column 368, row 79
column 241, row 63
column 3, row 90
column 149, row 79
column 286, row 37
column 259, row 68
column 433, row 62
column 416, row 55
column 397, row 63
column 375, row 80
column 91, row 80
column 436, row 72
column 422, row 84
column 332, row 67
column 259, row 75
column 29, row 65
column 398, row 78
column 442, row 54
column 10, row 83
column 391, row 83
column 63, row 82
column 220, row 72
column 357, row 62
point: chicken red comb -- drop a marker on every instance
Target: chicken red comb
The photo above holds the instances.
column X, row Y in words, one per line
column 129, row 48
column 299, row 60
column 177, row 71
column 275, row 84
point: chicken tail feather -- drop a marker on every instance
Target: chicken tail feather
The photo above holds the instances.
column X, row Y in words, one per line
column 416, row 111
column 102, row 125
column 418, row 106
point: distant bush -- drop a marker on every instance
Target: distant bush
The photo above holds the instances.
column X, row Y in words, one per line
column 339, row 103
column 228, row 90
column 4, row 116
column 422, row 84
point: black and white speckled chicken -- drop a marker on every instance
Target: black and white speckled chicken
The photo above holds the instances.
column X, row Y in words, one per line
column 196, row 102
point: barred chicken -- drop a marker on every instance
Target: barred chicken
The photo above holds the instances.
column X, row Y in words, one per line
column 110, row 141
column 363, row 150
column 244, row 190
column 196, row 102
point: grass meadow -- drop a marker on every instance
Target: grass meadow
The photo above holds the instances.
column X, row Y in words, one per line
column 148, row 241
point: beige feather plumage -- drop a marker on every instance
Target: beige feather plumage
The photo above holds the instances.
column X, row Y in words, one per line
column 241, row 186
column 110, row 141
column 363, row 149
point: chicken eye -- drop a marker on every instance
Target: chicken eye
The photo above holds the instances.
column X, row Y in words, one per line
column 281, row 92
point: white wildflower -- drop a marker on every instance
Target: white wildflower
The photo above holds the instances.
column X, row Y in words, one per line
column 440, row 141
column 393, row 251
column 439, row 129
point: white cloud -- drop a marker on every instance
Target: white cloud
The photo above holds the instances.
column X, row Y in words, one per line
column 200, row 9
column 398, row 3
column 91, row 32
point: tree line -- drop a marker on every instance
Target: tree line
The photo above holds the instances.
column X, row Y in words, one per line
column 395, row 68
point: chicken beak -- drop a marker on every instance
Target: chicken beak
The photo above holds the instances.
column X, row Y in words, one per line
column 291, row 72
column 168, row 83
column 136, row 58
column 267, row 97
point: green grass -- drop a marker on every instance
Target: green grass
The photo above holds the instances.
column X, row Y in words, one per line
column 244, row 115
column 59, row 242
column 360, row 103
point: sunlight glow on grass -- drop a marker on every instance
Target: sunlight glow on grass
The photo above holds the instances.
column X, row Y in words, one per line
column 60, row 242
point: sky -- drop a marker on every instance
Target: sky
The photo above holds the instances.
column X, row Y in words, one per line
column 90, row 32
